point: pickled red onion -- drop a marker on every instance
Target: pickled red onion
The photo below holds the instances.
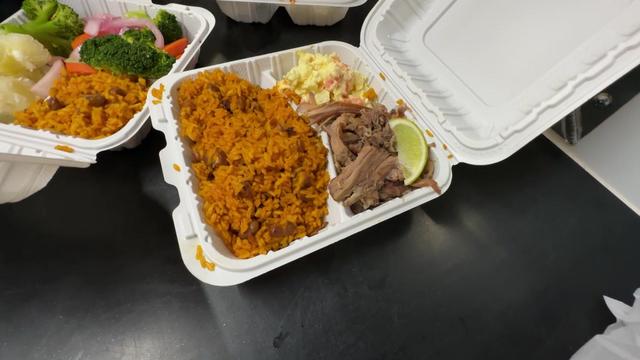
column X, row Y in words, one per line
column 75, row 54
column 107, row 25
column 92, row 24
column 53, row 59
column 42, row 87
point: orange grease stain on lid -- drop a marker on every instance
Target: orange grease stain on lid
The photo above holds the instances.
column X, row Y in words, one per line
column 176, row 167
column 64, row 148
column 157, row 94
column 382, row 76
column 429, row 133
column 203, row 262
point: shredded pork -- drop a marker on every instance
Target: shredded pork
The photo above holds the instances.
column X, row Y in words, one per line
column 364, row 154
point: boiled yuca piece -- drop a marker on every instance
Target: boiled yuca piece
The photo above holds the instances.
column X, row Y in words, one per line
column 22, row 56
column 15, row 95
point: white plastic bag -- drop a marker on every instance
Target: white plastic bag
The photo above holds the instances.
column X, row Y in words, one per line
column 620, row 341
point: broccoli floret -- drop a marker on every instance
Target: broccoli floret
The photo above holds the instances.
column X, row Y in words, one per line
column 120, row 56
column 168, row 25
column 67, row 22
column 39, row 9
column 144, row 36
column 165, row 63
column 53, row 24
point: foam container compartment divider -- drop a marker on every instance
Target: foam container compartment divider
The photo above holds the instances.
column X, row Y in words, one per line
column 302, row 12
column 484, row 78
column 21, row 149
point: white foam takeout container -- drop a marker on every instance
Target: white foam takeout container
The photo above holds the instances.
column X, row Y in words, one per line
column 28, row 158
column 484, row 78
column 302, row 12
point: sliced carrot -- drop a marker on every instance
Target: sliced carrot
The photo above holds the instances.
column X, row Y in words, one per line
column 177, row 47
column 79, row 68
column 79, row 40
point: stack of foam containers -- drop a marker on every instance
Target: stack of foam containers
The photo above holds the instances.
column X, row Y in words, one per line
column 29, row 158
column 302, row 12
column 483, row 77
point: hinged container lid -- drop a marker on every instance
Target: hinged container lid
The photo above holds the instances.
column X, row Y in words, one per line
column 489, row 76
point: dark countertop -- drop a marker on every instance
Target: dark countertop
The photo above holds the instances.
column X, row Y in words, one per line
column 510, row 263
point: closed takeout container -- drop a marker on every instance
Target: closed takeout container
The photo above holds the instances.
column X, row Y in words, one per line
column 21, row 149
column 483, row 78
column 302, row 12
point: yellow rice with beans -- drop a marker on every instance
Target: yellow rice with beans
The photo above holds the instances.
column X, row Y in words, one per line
column 87, row 106
column 261, row 169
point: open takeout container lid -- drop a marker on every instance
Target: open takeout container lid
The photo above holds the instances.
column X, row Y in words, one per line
column 489, row 76
column 18, row 144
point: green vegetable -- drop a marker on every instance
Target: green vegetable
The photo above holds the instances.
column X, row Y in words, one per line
column 53, row 24
column 168, row 25
column 118, row 55
column 140, row 14
column 166, row 22
column 39, row 9
column 144, row 36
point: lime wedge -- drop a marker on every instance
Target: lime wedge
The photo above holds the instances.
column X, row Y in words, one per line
column 413, row 151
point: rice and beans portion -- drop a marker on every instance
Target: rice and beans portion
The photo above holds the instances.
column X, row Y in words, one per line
column 261, row 168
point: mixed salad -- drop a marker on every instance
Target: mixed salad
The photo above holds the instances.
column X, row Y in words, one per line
column 55, row 43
